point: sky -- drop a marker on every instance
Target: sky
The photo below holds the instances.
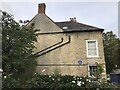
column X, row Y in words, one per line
column 100, row 14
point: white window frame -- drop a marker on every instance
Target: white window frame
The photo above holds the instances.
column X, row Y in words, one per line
column 96, row 48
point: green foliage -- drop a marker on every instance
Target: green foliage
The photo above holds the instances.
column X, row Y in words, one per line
column 54, row 81
column 9, row 82
column 112, row 51
column 99, row 71
column 99, row 68
column 17, row 48
column 59, row 82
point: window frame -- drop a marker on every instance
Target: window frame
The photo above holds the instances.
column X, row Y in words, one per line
column 89, row 56
column 89, row 71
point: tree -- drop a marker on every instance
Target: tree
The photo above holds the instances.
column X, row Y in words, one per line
column 112, row 51
column 17, row 48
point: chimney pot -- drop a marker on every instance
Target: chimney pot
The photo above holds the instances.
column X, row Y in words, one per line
column 41, row 8
column 73, row 19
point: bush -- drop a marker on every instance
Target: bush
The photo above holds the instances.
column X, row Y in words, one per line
column 59, row 82
column 55, row 81
column 9, row 82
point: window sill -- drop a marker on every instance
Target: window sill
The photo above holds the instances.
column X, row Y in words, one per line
column 90, row 57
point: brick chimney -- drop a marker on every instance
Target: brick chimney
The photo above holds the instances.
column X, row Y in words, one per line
column 41, row 8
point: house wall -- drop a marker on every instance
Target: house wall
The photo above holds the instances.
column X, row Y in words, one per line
column 60, row 52
column 64, row 59
column 43, row 23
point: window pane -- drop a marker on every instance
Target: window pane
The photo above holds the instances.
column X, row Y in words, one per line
column 92, row 50
column 93, row 70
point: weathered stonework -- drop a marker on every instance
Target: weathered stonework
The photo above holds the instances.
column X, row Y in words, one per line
column 60, row 51
column 65, row 58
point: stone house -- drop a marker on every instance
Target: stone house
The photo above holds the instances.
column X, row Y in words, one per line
column 68, row 48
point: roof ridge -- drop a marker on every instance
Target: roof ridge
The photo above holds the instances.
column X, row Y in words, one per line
column 62, row 21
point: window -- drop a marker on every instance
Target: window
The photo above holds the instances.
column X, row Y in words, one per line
column 93, row 70
column 92, row 48
column 65, row 28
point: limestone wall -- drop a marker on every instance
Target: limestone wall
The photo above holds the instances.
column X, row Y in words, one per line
column 65, row 58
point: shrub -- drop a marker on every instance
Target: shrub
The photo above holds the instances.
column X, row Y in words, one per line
column 59, row 82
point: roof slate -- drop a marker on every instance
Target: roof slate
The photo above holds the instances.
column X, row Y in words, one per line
column 76, row 26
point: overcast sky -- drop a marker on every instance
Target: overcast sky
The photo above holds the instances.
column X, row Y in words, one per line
column 100, row 14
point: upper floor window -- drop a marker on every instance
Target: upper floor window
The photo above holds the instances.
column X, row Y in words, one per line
column 92, row 48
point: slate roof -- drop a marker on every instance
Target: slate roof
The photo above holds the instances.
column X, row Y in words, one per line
column 115, row 71
column 76, row 26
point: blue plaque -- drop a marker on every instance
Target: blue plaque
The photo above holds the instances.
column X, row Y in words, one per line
column 79, row 61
